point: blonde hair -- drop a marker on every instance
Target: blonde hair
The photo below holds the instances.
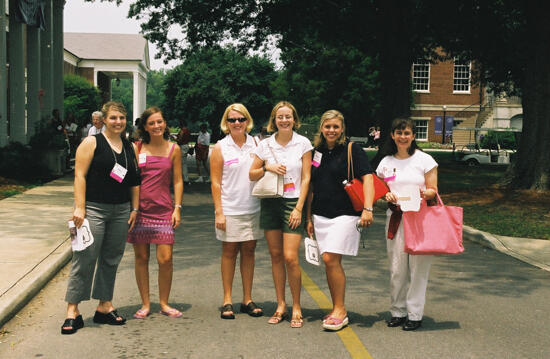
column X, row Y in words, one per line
column 239, row 107
column 271, row 127
column 329, row 115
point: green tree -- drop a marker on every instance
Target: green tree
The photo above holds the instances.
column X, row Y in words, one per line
column 210, row 79
column 511, row 41
column 81, row 98
column 155, row 88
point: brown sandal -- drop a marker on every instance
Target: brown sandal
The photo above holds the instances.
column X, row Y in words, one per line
column 278, row 317
column 297, row 321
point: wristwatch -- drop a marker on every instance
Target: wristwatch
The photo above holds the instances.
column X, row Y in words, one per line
column 135, row 210
column 370, row 209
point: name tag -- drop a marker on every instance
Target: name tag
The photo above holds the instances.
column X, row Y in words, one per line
column 142, row 159
column 288, row 185
column 230, row 162
column 118, row 173
column 317, row 159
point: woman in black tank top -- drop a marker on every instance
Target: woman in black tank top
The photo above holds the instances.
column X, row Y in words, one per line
column 106, row 194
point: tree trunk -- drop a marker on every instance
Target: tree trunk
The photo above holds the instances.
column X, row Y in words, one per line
column 531, row 167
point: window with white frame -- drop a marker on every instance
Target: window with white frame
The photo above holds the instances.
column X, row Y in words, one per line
column 421, row 130
column 421, row 76
column 462, row 75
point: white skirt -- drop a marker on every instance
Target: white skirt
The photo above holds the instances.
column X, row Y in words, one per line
column 241, row 228
column 337, row 235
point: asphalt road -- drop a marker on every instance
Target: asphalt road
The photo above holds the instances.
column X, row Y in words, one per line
column 481, row 304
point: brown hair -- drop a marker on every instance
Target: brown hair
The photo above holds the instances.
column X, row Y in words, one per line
column 143, row 121
column 271, row 127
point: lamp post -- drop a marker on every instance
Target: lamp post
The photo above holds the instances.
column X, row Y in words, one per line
column 444, row 120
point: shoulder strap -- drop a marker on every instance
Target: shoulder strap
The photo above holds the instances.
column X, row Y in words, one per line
column 171, row 150
column 272, row 153
column 139, row 144
column 350, row 163
column 254, row 138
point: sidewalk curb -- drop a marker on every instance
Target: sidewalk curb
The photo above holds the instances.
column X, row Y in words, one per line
column 27, row 287
column 498, row 243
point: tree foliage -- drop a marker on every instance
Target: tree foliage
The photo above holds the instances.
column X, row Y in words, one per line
column 81, row 98
column 209, row 80
column 123, row 92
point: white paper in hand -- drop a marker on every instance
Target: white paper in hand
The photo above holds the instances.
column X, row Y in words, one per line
column 81, row 238
column 408, row 198
column 312, row 251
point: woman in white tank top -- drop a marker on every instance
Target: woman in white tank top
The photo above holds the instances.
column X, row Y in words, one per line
column 237, row 211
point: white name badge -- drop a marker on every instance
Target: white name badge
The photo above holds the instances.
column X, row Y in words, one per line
column 409, row 198
column 118, row 173
column 142, row 159
column 317, row 159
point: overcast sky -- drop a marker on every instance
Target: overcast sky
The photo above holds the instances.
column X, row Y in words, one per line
column 105, row 17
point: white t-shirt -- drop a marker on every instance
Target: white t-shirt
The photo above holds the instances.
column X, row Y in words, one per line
column 94, row 131
column 204, row 138
column 408, row 172
column 290, row 156
column 236, row 186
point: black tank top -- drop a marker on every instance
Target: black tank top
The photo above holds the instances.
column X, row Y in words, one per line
column 100, row 186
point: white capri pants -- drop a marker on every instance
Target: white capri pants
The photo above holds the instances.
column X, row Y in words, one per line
column 408, row 277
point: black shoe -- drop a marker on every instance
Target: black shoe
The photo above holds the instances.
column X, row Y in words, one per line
column 75, row 324
column 396, row 321
column 251, row 309
column 108, row 318
column 412, row 325
column 227, row 308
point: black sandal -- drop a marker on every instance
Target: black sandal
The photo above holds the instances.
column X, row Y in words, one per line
column 227, row 308
column 250, row 309
column 108, row 318
column 75, row 324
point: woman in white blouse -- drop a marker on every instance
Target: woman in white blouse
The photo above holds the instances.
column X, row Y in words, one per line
column 288, row 154
column 237, row 211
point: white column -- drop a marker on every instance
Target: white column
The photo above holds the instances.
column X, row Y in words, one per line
column 58, row 94
column 46, row 58
column 143, row 94
column 95, row 77
column 3, row 78
column 135, row 88
column 33, row 78
column 16, row 59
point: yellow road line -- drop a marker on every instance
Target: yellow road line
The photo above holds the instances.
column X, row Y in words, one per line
column 351, row 341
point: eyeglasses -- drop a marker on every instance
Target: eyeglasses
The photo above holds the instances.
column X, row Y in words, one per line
column 232, row 120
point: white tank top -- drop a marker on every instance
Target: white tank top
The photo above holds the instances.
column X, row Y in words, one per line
column 236, row 186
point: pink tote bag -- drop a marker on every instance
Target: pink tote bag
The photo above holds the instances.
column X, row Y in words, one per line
column 433, row 229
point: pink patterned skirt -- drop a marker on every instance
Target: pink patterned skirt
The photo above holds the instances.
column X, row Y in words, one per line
column 151, row 231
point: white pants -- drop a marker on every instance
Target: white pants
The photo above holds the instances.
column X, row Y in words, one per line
column 408, row 277
column 184, row 170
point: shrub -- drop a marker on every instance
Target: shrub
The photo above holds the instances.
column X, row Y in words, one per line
column 21, row 162
column 81, row 98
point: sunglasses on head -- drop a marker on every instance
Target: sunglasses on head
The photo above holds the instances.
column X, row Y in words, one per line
column 232, row 120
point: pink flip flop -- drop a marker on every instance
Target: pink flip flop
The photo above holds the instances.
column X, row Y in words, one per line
column 172, row 313
column 335, row 324
column 142, row 314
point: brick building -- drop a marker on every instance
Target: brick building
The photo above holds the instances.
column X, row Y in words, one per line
column 446, row 90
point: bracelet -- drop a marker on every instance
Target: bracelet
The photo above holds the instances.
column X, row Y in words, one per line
column 308, row 220
column 370, row 209
column 299, row 210
column 177, row 206
column 135, row 209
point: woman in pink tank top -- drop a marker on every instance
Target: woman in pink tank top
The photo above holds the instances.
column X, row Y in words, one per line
column 160, row 164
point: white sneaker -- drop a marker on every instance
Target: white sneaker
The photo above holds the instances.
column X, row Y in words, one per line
column 207, row 180
column 199, row 180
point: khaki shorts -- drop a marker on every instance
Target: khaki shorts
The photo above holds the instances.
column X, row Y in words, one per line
column 275, row 213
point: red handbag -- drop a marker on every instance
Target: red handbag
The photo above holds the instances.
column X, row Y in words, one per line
column 354, row 186
column 433, row 229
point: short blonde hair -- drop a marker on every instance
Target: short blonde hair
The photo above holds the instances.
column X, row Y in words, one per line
column 240, row 108
column 320, row 140
column 271, row 127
